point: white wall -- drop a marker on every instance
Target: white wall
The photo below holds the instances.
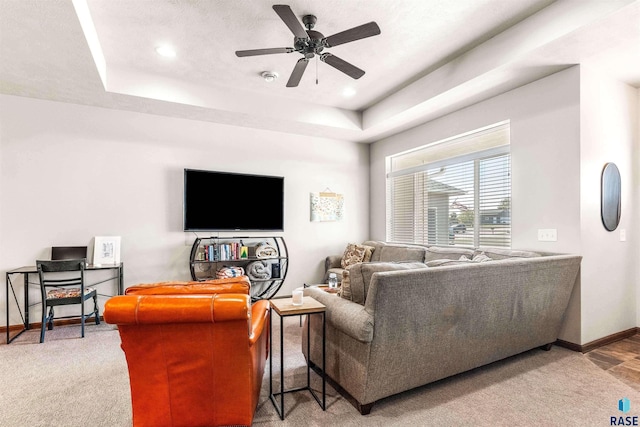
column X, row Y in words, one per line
column 69, row 173
column 636, row 184
column 609, row 124
column 545, row 132
column 635, row 170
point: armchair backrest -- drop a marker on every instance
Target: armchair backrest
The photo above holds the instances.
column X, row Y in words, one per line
column 232, row 285
column 193, row 358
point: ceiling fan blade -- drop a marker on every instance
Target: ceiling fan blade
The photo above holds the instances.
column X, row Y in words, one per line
column 270, row 51
column 297, row 73
column 355, row 33
column 342, row 65
column 286, row 14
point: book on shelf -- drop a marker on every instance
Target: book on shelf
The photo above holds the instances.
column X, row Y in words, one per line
column 231, row 251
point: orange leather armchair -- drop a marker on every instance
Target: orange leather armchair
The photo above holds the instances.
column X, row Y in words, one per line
column 196, row 351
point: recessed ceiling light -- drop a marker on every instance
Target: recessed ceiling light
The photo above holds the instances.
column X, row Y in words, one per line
column 348, row 92
column 166, row 51
column 269, row 76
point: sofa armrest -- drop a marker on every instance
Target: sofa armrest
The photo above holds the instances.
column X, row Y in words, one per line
column 346, row 316
column 333, row 264
column 332, row 261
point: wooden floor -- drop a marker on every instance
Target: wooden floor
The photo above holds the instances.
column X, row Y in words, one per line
column 621, row 359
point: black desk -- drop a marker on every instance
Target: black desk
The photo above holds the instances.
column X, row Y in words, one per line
column 25, row 271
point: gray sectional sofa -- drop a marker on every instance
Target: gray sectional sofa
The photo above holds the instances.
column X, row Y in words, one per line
column 405, row 324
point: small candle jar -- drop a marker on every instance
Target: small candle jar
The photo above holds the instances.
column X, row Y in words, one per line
column 297, row 296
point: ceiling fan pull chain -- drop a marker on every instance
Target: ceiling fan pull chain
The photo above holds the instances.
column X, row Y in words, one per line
column 316, row 69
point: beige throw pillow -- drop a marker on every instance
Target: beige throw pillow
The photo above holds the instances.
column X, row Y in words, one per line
column 367, row 253
column 353, row 254
column 345, row 286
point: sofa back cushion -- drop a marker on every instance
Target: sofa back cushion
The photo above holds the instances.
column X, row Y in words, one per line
column 439, row 252
column 377, row 249
column 356, row 278
column 400, row 253
column 498, row 253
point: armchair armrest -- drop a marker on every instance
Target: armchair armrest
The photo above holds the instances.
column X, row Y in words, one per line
column 347, row 316
column 259, row 320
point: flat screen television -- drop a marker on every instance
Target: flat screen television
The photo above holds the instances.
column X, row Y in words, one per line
column 223, row 201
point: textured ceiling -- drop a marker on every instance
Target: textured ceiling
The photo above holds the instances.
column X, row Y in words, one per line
column 415, row 35
column 432, row 57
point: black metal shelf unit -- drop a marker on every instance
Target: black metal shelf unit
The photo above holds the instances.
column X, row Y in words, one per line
column 210, row 254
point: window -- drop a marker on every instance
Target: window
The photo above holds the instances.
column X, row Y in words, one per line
column 452, row 192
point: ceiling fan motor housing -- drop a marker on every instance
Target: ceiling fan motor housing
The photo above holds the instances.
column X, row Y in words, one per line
column 313, row 45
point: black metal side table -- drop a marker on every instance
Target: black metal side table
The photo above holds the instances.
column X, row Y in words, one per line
column 285, row 308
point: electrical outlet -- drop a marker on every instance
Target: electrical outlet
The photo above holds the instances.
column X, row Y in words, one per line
column 623, row 235
column 548, row 235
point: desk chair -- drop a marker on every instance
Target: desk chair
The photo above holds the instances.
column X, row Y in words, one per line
column 60, row 286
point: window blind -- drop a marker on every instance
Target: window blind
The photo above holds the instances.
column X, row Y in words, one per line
column 462, row 200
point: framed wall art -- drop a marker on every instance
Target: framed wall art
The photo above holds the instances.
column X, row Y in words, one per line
column 106, row 250
column 327, row 206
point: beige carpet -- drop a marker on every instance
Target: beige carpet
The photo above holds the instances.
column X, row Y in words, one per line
column 68, row 381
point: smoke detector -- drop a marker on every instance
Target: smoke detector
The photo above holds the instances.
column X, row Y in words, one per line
column 269, row 76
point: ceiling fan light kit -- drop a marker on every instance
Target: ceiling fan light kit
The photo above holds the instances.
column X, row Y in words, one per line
column 310, row 43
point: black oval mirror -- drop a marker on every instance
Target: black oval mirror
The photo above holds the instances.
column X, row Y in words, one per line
column 611, row 196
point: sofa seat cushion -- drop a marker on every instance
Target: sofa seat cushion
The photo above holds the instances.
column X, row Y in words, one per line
column 499, row 253
column 440, row 252
column 356, row 278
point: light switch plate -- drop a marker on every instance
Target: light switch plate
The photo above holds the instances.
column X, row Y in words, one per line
column 548, row 235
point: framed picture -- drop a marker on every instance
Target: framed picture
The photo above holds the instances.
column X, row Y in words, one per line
column 327, row 206
column 106, row 250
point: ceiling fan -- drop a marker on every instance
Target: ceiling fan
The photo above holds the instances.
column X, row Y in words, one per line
column 310, row 43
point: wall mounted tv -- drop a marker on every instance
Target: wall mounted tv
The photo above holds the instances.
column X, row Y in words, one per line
column 223, row 201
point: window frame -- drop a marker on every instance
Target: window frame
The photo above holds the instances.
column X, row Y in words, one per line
column 422, row 223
